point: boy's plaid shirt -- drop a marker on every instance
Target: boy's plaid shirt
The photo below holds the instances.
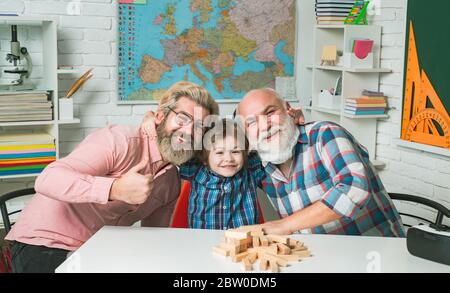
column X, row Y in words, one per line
column 217, row 202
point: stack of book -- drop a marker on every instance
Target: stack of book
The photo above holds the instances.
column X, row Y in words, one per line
column 25, row 106
column 369, row 104
column 25, row 153
column 333, row 12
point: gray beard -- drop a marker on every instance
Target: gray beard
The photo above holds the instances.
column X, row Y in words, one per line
column 176, row 156
column 285, row 152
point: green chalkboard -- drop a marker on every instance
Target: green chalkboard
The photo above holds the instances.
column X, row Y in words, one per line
column 431, row 21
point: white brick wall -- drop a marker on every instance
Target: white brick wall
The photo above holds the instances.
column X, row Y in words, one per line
column 407, row 171
column 89, row 40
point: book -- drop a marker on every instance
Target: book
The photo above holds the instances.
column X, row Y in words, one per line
column 362, row 112
column 333, row 9
column 373, row 93
column 331, row 4
column 366, row 105
column 21, row 118
column 367, row 101
column 331, row 13
column 335, row 1
column 19, row 172
column 11, row 137
column 351, row 108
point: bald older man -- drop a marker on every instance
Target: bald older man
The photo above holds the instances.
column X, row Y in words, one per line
column 320, row 179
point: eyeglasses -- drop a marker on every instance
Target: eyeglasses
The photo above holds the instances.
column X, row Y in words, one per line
column 184, row 119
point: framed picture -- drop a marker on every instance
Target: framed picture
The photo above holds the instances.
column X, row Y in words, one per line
column 426, row 97
column 229, row 47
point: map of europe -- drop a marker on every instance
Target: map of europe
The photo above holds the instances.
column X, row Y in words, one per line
column 227, row 46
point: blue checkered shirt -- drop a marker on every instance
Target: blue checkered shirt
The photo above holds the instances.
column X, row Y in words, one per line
column 331, row 167
column 218, row 202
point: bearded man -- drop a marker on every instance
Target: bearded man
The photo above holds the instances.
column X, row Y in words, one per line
column 319, row 178
column 116, row 176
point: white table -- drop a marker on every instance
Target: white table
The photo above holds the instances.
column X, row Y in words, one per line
column 166, row 250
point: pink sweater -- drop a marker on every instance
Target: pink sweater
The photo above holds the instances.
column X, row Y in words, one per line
column 71, row 202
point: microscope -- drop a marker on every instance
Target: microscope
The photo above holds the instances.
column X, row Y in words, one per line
column 17, row 54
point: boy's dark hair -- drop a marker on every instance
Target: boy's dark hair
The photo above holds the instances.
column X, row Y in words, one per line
column 222, row 128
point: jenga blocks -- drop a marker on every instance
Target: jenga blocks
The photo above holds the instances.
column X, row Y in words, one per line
column 274, row 266
column 249, row 260
column 239, row 257
column 264, row 264
column 232, row 248
column 237, row 234
column 248, row 244
column 264, row 241
column 256, row 242
column 303, row 254
column 283, row 248
column 279, row 239
column 301, row 248
column 221, row 251
column 250, row 228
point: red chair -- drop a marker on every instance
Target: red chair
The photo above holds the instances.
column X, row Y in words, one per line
column 180, row 216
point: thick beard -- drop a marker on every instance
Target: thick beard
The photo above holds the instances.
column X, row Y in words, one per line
column 175, row 155
column 281, row 150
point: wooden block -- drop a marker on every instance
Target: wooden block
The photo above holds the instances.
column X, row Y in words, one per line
column 263, row 264
column 257, row 233
column 256, row 242
column 274, row 266
column 250, row 228
column 233, row 248
column 271, row 249
column 264, row 241
column 302, row 254
column 279, row 239
column 236, row 234
column 221, row 251
column 290, row 257
column 283, row 248
column 253, row 257
column 294, row 243
column 248, row 265
column 239, row 257
column 301, row 248
column 280, row 261
column 298, row 245
column 253, row 250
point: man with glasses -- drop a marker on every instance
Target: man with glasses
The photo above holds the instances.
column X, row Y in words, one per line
column 320, row 179
column 116, row 176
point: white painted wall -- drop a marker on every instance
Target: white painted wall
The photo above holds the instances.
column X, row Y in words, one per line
column 89, row 40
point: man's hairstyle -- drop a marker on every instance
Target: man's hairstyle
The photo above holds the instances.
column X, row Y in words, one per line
column 192, row 91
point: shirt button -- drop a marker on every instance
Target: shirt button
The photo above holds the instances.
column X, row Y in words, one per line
column 224, row 207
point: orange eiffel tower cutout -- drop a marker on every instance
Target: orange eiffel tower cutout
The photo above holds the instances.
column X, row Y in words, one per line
column 422, row 123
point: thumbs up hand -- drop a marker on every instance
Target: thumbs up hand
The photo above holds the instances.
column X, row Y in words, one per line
column 133, row 187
